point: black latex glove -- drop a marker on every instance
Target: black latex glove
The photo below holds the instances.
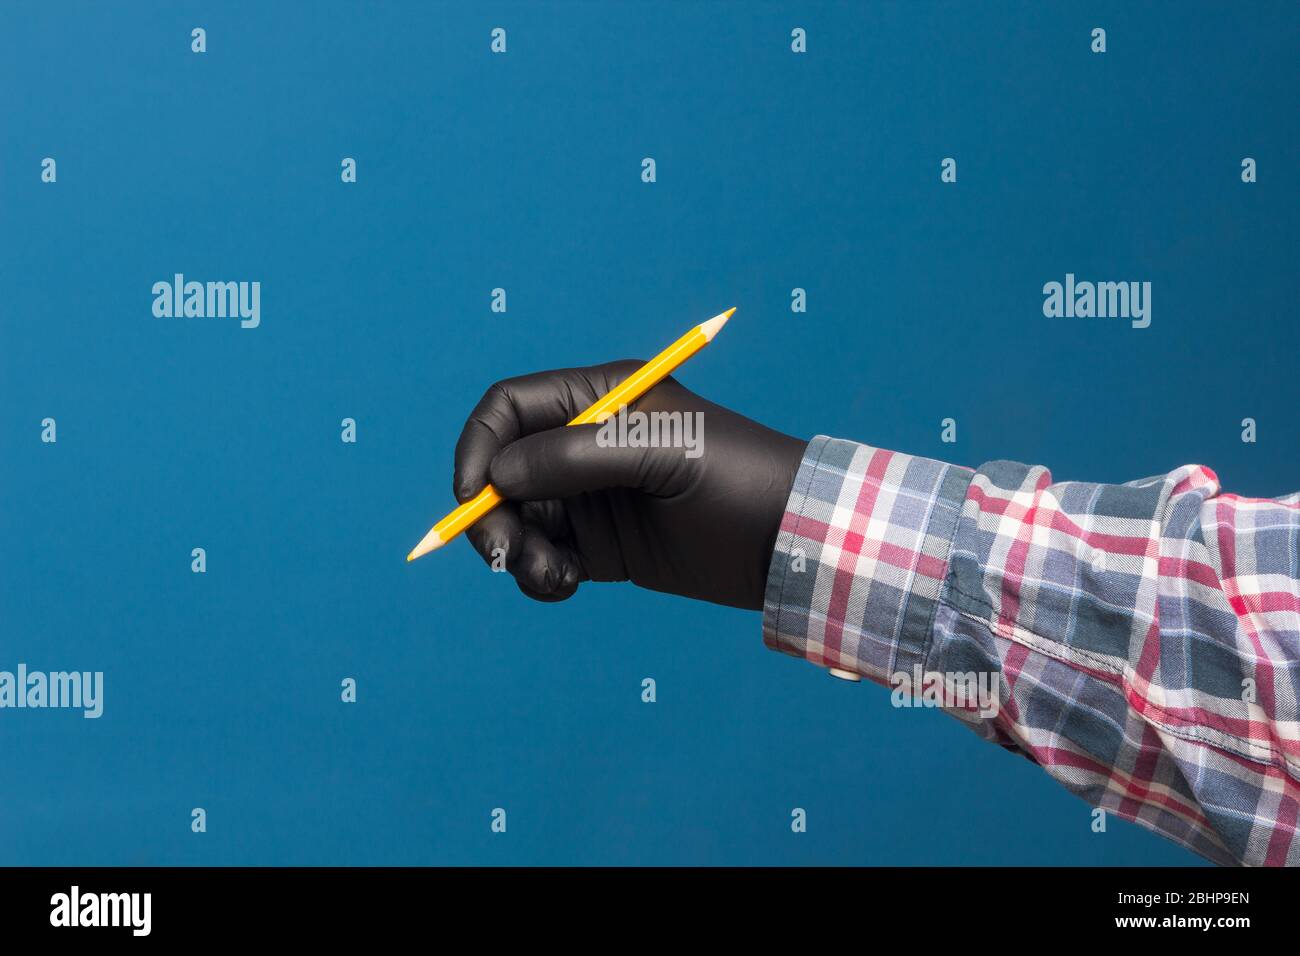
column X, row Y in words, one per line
column 703, row 527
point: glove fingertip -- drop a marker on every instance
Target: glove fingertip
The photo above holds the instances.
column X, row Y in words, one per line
column 548, row 597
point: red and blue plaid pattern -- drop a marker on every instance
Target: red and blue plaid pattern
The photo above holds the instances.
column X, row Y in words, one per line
column 1145, row 638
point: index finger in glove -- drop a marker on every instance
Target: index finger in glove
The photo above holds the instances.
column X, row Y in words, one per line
column 515, row 407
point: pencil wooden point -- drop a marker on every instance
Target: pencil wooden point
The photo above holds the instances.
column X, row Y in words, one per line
column 712, row 327
column 432, row 542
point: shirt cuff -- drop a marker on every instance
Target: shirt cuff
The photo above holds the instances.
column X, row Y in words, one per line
column 861, row 558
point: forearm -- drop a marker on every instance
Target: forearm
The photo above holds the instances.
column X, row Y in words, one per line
column 1128, row 649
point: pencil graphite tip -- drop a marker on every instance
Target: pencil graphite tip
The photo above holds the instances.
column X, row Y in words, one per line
column 712, row 327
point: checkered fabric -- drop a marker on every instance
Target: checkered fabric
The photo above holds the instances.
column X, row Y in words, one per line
column 1143, row 639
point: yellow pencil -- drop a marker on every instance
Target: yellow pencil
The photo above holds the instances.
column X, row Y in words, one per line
column 625, row 393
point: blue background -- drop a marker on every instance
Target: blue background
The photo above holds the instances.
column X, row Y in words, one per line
column 476, row 170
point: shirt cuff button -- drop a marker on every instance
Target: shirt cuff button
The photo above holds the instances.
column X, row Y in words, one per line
column 844, row 675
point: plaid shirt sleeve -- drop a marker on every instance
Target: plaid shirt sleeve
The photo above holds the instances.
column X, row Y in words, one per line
column 1140, row 642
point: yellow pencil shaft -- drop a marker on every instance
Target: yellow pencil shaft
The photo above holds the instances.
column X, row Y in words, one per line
column 625, row 393
column 468, row 513
column 645, row 378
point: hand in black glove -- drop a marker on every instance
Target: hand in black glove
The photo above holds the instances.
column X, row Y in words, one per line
column 703, row 527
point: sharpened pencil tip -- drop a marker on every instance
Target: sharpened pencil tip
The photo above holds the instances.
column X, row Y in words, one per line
column 432, row 542
column 712, row 327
